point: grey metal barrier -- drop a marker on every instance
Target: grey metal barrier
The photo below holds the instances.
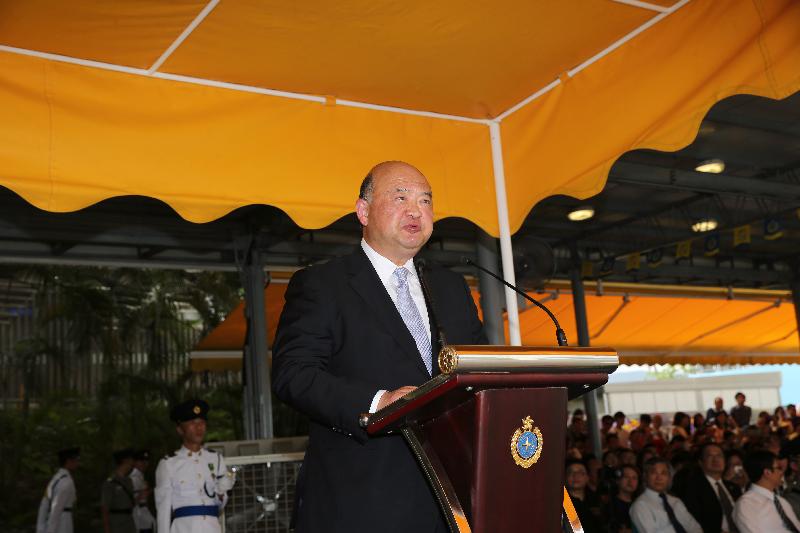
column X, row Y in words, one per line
column 262, row 499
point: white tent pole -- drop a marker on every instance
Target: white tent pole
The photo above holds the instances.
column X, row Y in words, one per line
column 506, row 253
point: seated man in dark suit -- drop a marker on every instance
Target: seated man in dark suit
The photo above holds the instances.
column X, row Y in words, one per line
column 356, row 334
column 706, row 494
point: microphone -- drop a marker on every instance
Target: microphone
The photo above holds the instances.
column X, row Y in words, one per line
column 561, row 337
column 420, row 265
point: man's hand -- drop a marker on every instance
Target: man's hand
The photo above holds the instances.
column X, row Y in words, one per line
column 393, row 395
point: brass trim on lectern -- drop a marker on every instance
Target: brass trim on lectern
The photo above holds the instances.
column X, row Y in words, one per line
column 522, row 359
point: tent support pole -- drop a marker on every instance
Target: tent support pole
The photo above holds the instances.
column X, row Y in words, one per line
column 258, row 390
column 491, row 295
column 506, row 252
column 582, row 323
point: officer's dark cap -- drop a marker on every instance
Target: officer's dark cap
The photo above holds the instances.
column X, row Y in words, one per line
column 189, row 410
column 121, row 455
column 68, row 453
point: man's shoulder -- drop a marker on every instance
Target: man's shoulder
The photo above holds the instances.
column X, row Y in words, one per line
column 334, row 268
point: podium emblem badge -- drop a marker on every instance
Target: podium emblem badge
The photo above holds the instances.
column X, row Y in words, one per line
column 526, row 444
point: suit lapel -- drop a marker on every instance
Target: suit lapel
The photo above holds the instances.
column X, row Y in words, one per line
column 365, row 282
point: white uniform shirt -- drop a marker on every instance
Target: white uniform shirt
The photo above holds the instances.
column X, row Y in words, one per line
column 385, row 270
column 142, row 516
column 649, row 516
column 55, row 510
column 755, row 512
column 186, row 479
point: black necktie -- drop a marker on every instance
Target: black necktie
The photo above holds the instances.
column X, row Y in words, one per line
column 786, row 522
column 671, row 514
column 727, row 507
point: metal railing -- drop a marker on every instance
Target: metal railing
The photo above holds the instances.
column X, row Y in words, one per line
column 262, row 499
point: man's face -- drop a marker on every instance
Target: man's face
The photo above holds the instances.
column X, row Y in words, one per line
column 657, row 421
column 791, row 411
column 657, row 477
column 192, row 432
column 627, row 458
column 628, row 481
column 772, row 477
column 398, row 219
column 718, row 404
column 713, row 461
column 577, row 477
column 740, row 399
column 126, row 466
column 72, row 464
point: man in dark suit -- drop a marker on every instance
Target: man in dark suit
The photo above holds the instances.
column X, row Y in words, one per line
column 356, row 334
column 707, row 496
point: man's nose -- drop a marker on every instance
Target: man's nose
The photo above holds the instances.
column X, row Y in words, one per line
column 414, row 211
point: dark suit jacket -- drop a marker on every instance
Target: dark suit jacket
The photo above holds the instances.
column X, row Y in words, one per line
column 340, row 339
column 700, row 498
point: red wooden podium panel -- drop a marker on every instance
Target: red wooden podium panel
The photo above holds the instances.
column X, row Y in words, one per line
column 460, row 429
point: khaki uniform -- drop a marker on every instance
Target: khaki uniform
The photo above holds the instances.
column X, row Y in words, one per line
column 117, row 496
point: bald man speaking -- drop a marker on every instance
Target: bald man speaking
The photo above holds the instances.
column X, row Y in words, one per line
column 355, row 335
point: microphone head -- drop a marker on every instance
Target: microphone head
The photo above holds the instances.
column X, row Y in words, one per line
column 466, row 260
column 420, row 262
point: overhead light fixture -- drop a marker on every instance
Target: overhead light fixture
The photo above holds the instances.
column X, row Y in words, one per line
column 581, row 213
column 711, row 166
column 704, row 224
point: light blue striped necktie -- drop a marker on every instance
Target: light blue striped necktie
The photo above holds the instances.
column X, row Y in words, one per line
column 412, row 317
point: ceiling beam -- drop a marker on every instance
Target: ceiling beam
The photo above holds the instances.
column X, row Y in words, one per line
column 688, row 180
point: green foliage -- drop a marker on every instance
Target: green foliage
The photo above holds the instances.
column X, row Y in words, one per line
column 104, row 311
column 666, row 372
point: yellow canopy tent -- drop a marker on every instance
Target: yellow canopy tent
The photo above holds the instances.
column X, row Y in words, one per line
column 646, row 324
column 212, row 105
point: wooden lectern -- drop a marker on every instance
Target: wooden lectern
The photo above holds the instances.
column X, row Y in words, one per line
column 490, row 432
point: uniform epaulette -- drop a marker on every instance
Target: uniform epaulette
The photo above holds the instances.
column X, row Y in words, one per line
column 171, row 454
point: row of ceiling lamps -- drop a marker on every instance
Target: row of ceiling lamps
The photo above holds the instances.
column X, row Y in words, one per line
column 711, row 166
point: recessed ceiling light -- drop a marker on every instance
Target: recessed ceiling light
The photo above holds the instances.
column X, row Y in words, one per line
column 704, row 224
column 581, row 213
column 711, row 166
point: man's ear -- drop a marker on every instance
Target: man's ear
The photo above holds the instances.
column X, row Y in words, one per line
column 179, row 429
column 362, row 211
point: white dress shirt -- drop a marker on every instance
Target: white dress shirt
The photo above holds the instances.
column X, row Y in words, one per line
column 649, row 516
column 385, row 269
column 755, row 512
column 713, row 483
column 142, row 517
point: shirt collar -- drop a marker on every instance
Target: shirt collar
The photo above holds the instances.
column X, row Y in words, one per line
column 186, row 451
column 383, row 266
column 758, row 489
column 652, row 494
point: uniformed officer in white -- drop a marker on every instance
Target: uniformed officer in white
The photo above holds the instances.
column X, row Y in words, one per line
column 55, row 509
column 145, row 522
column 192, row 483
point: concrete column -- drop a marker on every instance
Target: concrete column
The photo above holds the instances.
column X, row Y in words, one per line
column 490, row 289
column 581, row 321
column 794, row 285
column 257, row 387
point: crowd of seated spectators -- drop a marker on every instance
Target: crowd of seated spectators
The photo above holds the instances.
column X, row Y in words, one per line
column 722, row 471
